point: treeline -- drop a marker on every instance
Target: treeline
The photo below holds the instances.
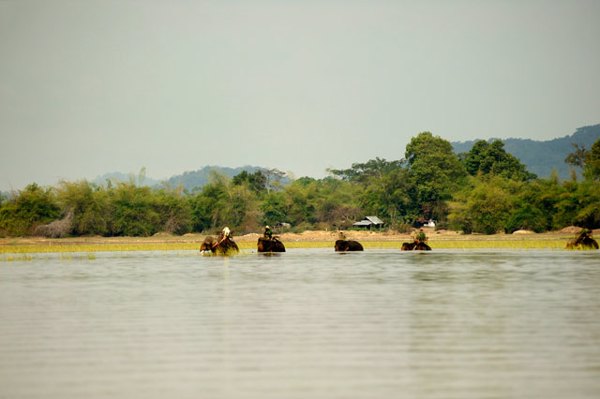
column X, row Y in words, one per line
column 485, row 190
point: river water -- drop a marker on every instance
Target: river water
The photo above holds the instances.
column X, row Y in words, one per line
column 309, row 323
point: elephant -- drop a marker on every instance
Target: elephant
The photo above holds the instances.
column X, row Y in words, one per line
column 415, row 246
column 583, row 241
column 270, row 245
column 224, row 246
column 348, row 245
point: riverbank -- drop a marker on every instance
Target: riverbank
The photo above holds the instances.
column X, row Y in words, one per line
column 307, row 239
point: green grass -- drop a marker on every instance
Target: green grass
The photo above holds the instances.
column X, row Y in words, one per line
column 13, row 250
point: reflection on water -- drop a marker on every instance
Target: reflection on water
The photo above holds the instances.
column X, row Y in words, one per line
column 305, row 324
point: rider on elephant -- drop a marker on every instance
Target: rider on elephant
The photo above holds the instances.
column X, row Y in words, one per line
column 420, row 236
column 268, row 233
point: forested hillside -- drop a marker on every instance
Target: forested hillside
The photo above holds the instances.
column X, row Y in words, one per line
column 541, row 157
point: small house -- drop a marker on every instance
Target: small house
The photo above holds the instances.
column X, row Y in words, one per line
column 369, row 222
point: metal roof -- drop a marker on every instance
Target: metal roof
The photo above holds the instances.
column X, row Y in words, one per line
column 374, row 219
column 369, row 221
column 362, row 223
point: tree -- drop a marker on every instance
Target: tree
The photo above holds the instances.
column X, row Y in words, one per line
column 89, row 205
column 174, row 210
column 577, row 157
column 274, row 208
column 256, row 181
column 491, row 158
column 434, row 171
column 207, row 204
column 388, row 197
column 482, row 207
column 336, row 203
column 592, row 162
column 362, row 172
column 29, row 208
column 134, row 211
column 588, row 160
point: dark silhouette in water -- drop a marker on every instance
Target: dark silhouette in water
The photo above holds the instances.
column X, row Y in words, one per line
column 224, row 245
column 583, row 241
column 348, row 245
column 415, row 246
column 344, row 245
column 419, row 243
column 270, row 245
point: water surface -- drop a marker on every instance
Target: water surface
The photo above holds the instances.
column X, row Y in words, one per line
column 309, row 323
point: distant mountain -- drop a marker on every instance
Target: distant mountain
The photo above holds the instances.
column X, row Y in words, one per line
column 189, row 180
column 119, row 177
column 541, row 157
column 200, row 177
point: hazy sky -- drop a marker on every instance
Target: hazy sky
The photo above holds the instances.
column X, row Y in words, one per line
column 95, row 86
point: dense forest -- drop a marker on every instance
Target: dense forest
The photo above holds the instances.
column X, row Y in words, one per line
column 485, row 190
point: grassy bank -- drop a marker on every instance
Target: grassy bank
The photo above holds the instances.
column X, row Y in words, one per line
column 554, row 241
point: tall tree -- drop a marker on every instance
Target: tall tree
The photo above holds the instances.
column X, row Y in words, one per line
column 492, row 158
column 435, row 172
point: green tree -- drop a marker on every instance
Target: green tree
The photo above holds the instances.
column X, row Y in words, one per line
column 29, row 208
column 592, row 162
column 207, row 205
column 484, row 206
column 134, row 211
column 256, row 181
column 336, row 203
column 89, row 205
column 434, row 172
column 491, row 158
column 274, row 208
column 301, row 201
column 388, row 196
column 587, row 160
column 364, row 172
column 587, row 213
column 175, row 211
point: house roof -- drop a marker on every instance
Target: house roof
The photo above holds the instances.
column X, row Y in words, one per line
column 362, row 223
column 374, row 220
column 369, row 221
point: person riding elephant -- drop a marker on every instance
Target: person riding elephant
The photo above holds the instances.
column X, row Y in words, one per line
column 269, row 243
column 344, row 245
column 268, row 233
column 583, row 241
column 419, row 242
column 224, row 245
column 347, row 245
column 420, row 236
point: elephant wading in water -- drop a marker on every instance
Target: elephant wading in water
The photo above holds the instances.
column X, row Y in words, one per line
column 419, row 243
column 266, row 244
column 223, row 245
column 344, row 245
column 415, row 246
column 348, row 245
column 583, row 241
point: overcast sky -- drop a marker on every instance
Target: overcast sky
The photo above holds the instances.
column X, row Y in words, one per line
column 89, row 87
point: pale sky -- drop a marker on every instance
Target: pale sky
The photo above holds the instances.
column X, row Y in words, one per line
column 96, row 86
